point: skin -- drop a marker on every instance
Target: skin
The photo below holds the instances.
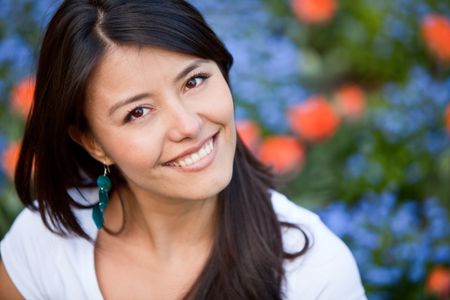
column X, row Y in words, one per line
column 7, row 288
column 182, row 101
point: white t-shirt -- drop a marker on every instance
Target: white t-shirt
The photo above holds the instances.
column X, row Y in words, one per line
column 43, row 265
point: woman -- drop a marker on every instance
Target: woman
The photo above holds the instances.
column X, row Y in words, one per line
column 143, row 188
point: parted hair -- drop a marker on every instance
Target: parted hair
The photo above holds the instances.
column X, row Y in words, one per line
column 246, row 261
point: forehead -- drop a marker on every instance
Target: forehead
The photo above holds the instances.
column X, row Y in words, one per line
column 124, row 68
column 139, row 59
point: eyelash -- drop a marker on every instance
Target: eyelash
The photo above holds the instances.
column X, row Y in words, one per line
column 200, row 75
column 129, row 117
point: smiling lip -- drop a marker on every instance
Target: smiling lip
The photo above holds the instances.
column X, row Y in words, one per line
column 192, row 150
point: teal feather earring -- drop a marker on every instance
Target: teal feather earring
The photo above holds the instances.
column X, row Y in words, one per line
column 104, row 185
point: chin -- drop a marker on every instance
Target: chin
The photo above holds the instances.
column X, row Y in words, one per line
column 210, row 189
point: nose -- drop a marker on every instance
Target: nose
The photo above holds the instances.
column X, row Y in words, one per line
column 185, row 123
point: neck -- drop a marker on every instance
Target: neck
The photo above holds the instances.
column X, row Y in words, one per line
column 163, row 225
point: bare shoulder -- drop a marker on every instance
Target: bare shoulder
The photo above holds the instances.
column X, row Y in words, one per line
column 7, row 288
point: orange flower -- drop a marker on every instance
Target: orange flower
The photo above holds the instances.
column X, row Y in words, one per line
column 22, row 96
column 447, row 117
column 436, row 33
column 250, row 133
column 284, row 153
column 9, row 158
column 351, row 101
column 438, row 282
column 314, row 119
column 314, row 11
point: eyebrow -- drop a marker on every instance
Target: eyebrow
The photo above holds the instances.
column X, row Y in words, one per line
column 194, row 65
column 127, row 101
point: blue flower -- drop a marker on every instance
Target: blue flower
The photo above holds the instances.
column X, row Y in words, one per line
column 15, row 53
column 405, row 219
column 356, row 165
column 337, row 218
column 392, row 240
column 441, row 253
column 414, row 112
column 382, row 276
column 43, row 10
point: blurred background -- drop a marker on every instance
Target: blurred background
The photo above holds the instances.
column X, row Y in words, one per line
column 348, row 100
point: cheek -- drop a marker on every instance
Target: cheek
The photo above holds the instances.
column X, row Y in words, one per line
column 133, row 149
column 221, row 109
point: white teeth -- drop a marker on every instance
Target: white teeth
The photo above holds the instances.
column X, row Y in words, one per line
column 194, row 157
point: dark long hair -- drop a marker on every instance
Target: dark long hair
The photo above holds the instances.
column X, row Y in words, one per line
column 247, row 256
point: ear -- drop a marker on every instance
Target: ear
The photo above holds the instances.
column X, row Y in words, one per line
column 87, row 141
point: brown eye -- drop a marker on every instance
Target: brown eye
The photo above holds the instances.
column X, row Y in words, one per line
column 192, row 83
column 195, row 81
column 137, row 112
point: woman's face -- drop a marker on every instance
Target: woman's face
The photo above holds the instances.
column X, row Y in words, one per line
column 165, row 119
